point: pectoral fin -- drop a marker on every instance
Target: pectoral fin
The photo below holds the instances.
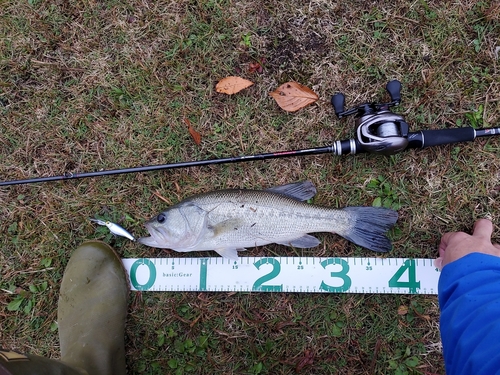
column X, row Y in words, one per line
column 229, row 253
column 226, row 226
column 304, row 242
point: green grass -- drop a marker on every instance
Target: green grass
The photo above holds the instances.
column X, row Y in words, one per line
column 85, row 86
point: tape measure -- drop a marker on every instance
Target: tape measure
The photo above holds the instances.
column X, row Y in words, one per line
column 284, row 274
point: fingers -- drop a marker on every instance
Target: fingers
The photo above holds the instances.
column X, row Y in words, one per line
column 444, row 242
column 455, row 245
column 483, row 228
column 438, row 263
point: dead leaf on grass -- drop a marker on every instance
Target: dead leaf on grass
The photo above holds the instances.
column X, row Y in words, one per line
column 231, row 85
column 292, row 96
column 402, row 310
column 196, row 136
column 256, row 66
column 306, row 359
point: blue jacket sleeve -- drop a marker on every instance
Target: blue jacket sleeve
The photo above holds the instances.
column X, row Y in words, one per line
column 469, row 299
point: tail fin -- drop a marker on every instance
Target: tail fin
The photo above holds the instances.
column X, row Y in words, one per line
column 370, row 225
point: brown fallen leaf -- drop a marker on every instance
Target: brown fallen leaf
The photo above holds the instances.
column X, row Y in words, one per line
column 292, row 96
column 231, row 85
column 402, row 310
column 306, row 359
column 255, row 67
column 196, row 136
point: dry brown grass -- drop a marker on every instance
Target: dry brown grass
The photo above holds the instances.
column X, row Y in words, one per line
column 86, row 86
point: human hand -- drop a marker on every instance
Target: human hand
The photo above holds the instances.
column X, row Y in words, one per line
column 455, row 245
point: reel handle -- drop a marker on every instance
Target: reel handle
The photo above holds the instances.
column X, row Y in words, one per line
column 338, row 103
column 394, row 90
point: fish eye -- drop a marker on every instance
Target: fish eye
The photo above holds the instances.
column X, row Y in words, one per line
column 160, row 218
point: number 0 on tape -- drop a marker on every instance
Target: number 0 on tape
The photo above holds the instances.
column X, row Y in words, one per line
column 284, row 274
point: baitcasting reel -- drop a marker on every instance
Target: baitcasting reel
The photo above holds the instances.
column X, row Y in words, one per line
column 379, row 130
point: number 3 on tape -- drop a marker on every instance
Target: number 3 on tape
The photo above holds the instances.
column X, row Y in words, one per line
column 342, row 274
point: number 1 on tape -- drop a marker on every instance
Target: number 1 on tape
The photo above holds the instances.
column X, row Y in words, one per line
column 284, row 274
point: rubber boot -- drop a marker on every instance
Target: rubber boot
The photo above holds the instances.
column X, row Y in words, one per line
column 92, row 310
column 13, row 363
column 91, row 317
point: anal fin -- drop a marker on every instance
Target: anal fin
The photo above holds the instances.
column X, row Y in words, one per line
column 305, row 242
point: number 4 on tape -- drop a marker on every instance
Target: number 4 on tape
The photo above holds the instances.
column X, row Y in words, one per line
column 412, row 284
column 285, row 274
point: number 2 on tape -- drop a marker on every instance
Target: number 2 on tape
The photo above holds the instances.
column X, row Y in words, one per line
column 257, row 286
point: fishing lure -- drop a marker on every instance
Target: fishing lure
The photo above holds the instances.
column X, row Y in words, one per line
column 114, row 228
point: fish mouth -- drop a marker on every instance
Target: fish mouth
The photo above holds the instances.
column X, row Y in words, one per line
column 157, row 239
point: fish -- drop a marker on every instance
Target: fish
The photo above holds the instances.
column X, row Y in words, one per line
column 114, row 228
column 232, row 220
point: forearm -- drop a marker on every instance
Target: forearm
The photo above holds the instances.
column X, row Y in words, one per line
column 469, row 298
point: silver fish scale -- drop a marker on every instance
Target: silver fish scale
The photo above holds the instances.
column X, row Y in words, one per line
column 230, row 220
column 253, row 218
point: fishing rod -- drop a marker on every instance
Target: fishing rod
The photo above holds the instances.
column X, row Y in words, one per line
column 379, row 131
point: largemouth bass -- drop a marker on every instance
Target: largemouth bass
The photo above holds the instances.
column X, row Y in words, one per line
column 229, row 221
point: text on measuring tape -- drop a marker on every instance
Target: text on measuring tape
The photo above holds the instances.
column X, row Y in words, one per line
column 285, row 274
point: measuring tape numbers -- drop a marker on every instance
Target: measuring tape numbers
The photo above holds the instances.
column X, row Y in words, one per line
column 284, row 274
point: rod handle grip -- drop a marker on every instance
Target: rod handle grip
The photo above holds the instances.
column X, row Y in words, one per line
column 429, row 138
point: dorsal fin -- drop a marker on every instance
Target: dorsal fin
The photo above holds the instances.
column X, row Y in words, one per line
column 302, row 190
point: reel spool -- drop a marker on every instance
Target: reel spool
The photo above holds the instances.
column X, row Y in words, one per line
column 379, row 130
